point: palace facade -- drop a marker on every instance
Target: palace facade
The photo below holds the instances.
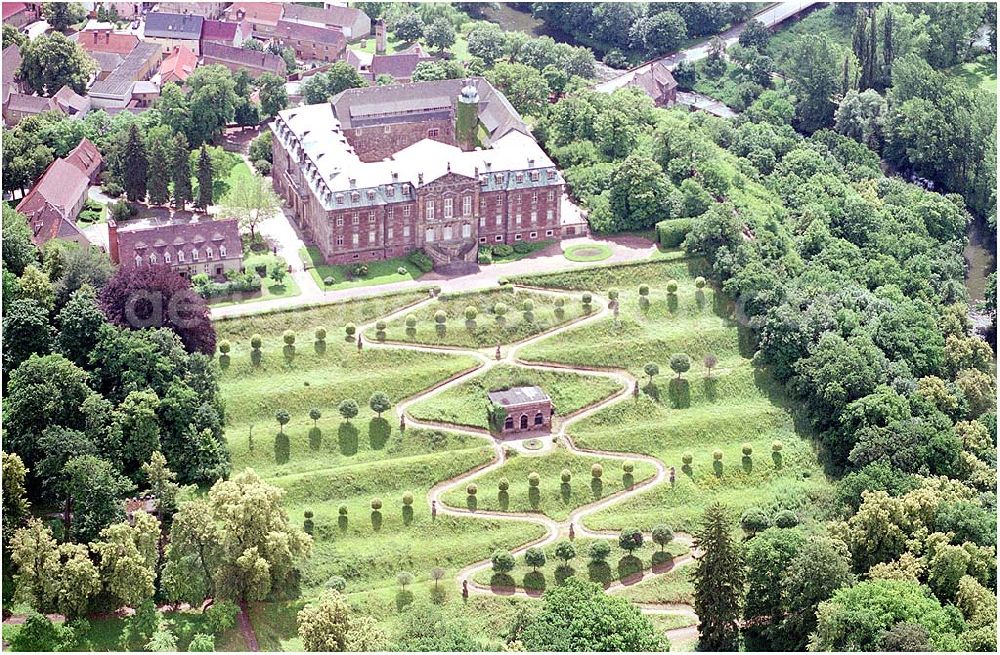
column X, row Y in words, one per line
column 444, row 166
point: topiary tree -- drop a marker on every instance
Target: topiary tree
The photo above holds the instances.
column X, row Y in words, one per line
column 680, row 364
column 662, row 535
column 596, row 471
column 754, row 520
column 710, row 362
column 534, row 557
column 471, row 313
column 628, row 466
column 224, row 346
column 565, row 551
column 502, row 561
column 643, row 290
column 471, row 489
column 776, row 446
column 560, row 302
column 256, row 341
column 380, row 325
column 350, row 329
column 404, row 578
column 307, row 523
column 320, row 334
column 717, row 455
column 440, row 317
column 288, row 337
column 499, row 309
column 687, row 458
column 528, row 305
column 747, row 450
column 342, row 510
column 587, row 298
column 672, row 287
column 533, row 479
column 348, row 408
column 786, row 518
column 699, row 282
column 565, row 476
column 376, row 504
column 282, row 417
column 337, row 583
column 437, row 574
column 379, row 402
column 630, row 539
column 612, row 294
column 503, row 484
column 651, row 369
column 315, row 415
column 411, row 321
column 599, row 551
column 407, row 499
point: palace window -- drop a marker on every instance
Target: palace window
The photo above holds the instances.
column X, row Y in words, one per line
column 499, row 237
column 533, row 235
column 551, row 195
column 222, row 251
column 406, row 211
column 433, row 133
column 548, row 215
column 371, row 216
column 166, row 257
column 208, row 253
column 499, row 220
column 392, row 212
column 548, row 233
column 517, row 218
column 534, row 197
column 354, row 240
column 388, row 234
column 340, row 241
column 449, row 207
column 467, row 206
column 340, row 221
column 355, row 219
column 466, row 231
column 371, row 236
column 406, row 231
column 429, row 210
column 180, row 256
column 534, row 217
column 482, row 221
column 194, row 254
column 517, row 237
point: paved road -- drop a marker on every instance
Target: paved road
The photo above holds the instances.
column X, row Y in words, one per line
column 771, row 16
column 554, row 530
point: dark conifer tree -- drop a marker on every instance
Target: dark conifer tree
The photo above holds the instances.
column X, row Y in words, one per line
column 181, row 171
column 718, row 582
column 204, row 180
column 160, row 172
column 135, row 166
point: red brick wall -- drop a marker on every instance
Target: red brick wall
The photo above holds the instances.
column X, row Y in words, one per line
column 378, row 142
column 529, row 410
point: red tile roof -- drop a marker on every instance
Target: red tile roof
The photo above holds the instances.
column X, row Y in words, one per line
column 12, row 8
column 47, row 206
column 105, row 41
column 86, row 157
column 266, row 13
column 173, row 237
column 398, row 65
column 180, row 63
column 322, row 35
column 217, row 30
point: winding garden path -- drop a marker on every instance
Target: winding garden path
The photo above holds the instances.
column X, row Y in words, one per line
column 554, row 530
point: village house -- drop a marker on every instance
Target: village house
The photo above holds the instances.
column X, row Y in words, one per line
column 201, row 245
column 236, row 59
column 19, row 106
column 262, row 17
column 100, row 37
column 126, row 10
column 52, row 205
column 218, row 31
column 20, row 14
column 311, row 43
column 353, row 23
column 178, row 65
column 11, row 62
column 205, row 9
column 171, row 30
column 444, row 166
column 658, row 83
column 107, row 62
column 528, row 409
column 116, row 90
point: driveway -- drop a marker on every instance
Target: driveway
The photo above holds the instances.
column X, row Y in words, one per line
column 285, row 240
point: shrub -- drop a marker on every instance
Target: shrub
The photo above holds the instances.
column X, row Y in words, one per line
column 786, row 518
column 404, row 578
column 337, row 583
column 440, row 317
column 527, row 305
column 566, row 476
column 502, row 561
column 644, row 290
column 754, row 520
column 499, row 309
column 485, row 256
column 350, row 329
column 472, row 489
column 565, row 551
column 776, row 446
column 329, row 281
column 348, row 408
column 224, row 346
column 699, row 282
column 587, row 298
column 662, row 535
column 628, row 466
column 687, row 458
column 717, row 455
column 747, row 450
column 376, row 504
column 671, row 233
column 522, row 248
column 359, row 270
column 613, row 294
column 596, row 471
column 503, row 484
column 401, row 270
column 502, row 250
column 407, row 498
column 380, row 325
column 288, row 337
column 421, row 260
column 680, row 363
column 599, row 551
column 533, row 479
column 320, row 334
column 671, row 287
column 560, row 302
column 630, row 539
column 471, row 313
column 411, row 321
column 342, row 510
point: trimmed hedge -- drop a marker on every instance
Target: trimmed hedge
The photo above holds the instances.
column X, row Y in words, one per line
column 421, row 260
column 670, row 233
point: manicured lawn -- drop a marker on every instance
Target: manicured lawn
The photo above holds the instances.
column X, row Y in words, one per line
column 671, row 587
column 92, row 213
column 269, row 288
column 379, row 272
column 824, row 21
column 552, row 497
column 587, row 253
column 978, row 74
column 466, row 403
column 487, row 329
column 529, row 247
column 620, row 565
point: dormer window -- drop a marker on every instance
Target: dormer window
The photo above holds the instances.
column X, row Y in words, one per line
column 138, row 260
column 166, row 257
column 222, row 250
column 552, row 173
column 355, row 196
column 208, row 252
column 371, row 194
column 194, row 254
column 390, row 191
column 180, row 256
column 340, row 199
column 520, row 177
column 499, row 178
column 534, row 176
column 152, row 258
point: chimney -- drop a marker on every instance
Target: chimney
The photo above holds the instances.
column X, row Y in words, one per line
column 380, row 37
column 113, row 240
column 420, row 178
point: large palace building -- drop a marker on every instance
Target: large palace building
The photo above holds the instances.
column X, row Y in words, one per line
column 444, row 166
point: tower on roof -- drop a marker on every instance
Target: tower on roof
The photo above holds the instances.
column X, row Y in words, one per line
column 467, row 117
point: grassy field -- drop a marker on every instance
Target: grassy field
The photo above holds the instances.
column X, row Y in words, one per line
column 379, row 272
column 552, row 497
column 674, row 586
column 465, row 404
column 979, row 74
column 487, row 329
column 587, row 253
column 620, row 566
column 823, row 21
